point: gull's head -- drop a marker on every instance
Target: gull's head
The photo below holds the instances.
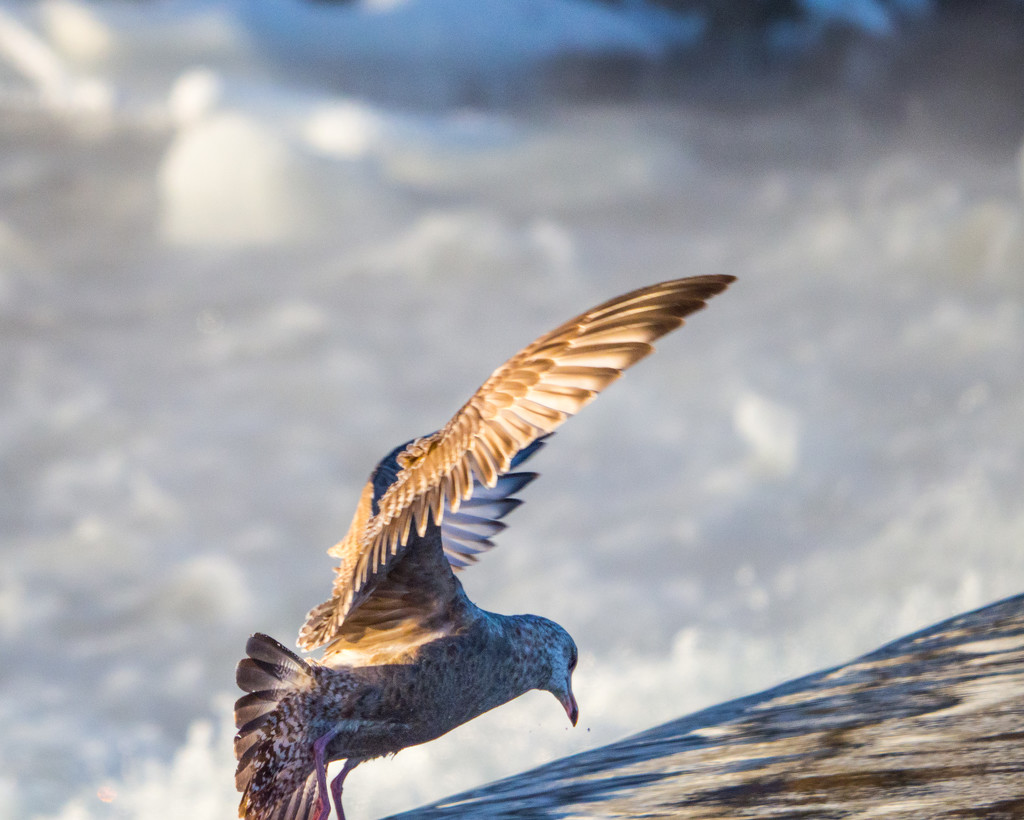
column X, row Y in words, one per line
column 555, row 656
column 560, row 683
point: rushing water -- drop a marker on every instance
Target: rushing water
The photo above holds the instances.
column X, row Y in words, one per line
column 224, row 296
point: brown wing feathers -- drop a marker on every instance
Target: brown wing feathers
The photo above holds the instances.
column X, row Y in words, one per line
column 525, row 399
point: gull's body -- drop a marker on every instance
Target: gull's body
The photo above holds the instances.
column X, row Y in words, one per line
column 408, row 656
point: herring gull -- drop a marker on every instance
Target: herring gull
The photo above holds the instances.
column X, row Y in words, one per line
column 407, row 656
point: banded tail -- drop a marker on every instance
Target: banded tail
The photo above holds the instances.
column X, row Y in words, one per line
column 276, row 769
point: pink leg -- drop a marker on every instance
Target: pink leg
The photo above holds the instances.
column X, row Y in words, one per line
column 323, row 806
column 337, row 783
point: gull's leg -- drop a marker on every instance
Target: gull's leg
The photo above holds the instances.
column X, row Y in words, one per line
column 323, row 805
column 337, row 783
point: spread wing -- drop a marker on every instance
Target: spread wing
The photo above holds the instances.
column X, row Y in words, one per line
column 522, row 402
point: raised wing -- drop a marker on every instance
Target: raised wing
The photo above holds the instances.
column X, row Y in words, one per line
column 523, row 401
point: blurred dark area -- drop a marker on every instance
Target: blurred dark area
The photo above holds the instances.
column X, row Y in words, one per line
column 962, row 65
column 951, row 64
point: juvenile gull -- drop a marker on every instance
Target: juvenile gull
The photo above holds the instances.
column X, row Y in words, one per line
column 407, row 656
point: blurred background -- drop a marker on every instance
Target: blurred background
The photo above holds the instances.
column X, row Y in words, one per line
column 249, row 246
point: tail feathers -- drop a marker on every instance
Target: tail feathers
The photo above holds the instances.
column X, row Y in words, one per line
column 275, row 759
column 270, row 667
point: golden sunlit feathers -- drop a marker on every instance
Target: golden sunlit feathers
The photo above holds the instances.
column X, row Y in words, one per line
column 524, row 400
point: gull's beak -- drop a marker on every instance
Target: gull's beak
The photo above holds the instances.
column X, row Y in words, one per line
column 569, row 704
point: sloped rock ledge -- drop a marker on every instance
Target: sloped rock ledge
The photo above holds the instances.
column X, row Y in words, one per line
column 931, row 725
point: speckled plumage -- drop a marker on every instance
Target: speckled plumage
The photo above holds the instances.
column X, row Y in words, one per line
column 408, row 656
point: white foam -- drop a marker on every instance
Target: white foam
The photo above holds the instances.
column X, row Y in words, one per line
column 228, row 180
column 771, row 430
column 195, row 783
column 76, row 31
column 54, row 84
column 345, row 130
column 216, row 318
column 195, row 95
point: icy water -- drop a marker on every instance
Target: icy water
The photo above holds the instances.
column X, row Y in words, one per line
column 224, row 296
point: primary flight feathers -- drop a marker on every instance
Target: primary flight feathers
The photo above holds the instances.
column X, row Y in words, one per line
column 464, row 462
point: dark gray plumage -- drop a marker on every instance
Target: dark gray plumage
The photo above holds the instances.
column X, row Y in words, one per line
column 408, row 656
